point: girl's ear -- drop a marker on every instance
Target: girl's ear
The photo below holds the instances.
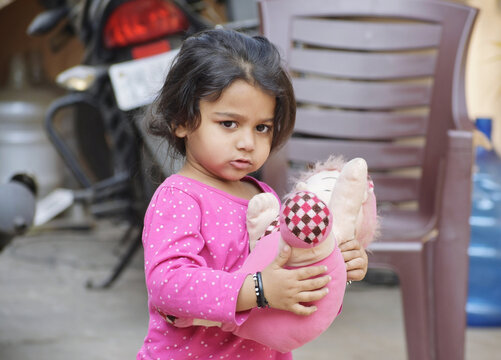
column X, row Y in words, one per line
column 180, row 131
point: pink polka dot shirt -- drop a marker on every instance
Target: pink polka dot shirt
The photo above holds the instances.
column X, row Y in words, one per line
column 194, row 238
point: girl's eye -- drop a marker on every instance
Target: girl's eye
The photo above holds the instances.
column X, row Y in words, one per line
column 262, row 128
column 228, row 124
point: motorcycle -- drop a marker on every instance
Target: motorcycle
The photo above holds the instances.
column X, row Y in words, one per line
column 129, row 45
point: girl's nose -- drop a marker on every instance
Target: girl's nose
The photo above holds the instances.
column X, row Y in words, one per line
column 246, row 141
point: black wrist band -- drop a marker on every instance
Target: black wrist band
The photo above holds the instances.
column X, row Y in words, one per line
column 258, row 287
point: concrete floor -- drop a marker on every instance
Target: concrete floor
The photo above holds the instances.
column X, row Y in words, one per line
column 47, row 313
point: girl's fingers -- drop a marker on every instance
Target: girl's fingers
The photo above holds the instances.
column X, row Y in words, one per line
column 356, row 269
column 283, row 256
column 303, row 310
column 349, row 245
column 352, row 254
column 310, row 271
column 355, row 275
column 316, row 283
column 309, row 296
column 357, row 263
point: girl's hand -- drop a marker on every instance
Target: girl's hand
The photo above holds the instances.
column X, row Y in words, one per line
column 355, row 259
column 286, row 289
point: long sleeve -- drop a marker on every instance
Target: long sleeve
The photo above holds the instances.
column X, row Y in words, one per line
column 179, row 280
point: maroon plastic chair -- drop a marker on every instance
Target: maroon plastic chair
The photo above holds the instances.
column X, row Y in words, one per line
column 384, row 80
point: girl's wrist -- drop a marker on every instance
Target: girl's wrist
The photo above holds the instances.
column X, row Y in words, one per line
column 246, row 297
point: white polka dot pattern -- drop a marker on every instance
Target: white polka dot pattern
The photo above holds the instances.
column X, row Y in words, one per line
column 194, row 237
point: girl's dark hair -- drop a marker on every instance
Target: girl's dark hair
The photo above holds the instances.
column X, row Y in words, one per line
column 207, row 64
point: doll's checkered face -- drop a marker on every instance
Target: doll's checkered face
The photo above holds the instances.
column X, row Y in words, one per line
column 306, row 216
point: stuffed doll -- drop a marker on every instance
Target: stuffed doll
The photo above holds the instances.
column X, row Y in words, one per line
column 331, row 204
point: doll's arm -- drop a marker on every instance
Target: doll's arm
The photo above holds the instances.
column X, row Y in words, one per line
column 357, row 228
column 263, row 209
column 348, row 195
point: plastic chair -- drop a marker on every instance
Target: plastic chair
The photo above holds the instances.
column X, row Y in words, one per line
column 384, row 80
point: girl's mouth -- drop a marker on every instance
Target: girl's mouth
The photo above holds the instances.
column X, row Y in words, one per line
column 241, row 164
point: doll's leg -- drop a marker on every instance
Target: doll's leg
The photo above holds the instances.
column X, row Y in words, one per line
column 263, row 209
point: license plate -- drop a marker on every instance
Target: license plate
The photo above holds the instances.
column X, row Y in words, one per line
column 136, row 83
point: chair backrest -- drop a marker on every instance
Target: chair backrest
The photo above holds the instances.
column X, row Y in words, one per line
column 382, row 80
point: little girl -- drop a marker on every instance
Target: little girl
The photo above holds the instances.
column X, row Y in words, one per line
column 226, row 103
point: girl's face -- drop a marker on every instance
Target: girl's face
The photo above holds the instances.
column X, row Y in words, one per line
column 234, row 136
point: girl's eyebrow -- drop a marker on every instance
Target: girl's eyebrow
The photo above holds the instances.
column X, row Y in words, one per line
column 229, row 114
column 237, row 116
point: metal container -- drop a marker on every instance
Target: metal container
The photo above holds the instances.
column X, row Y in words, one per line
column 24, row 146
